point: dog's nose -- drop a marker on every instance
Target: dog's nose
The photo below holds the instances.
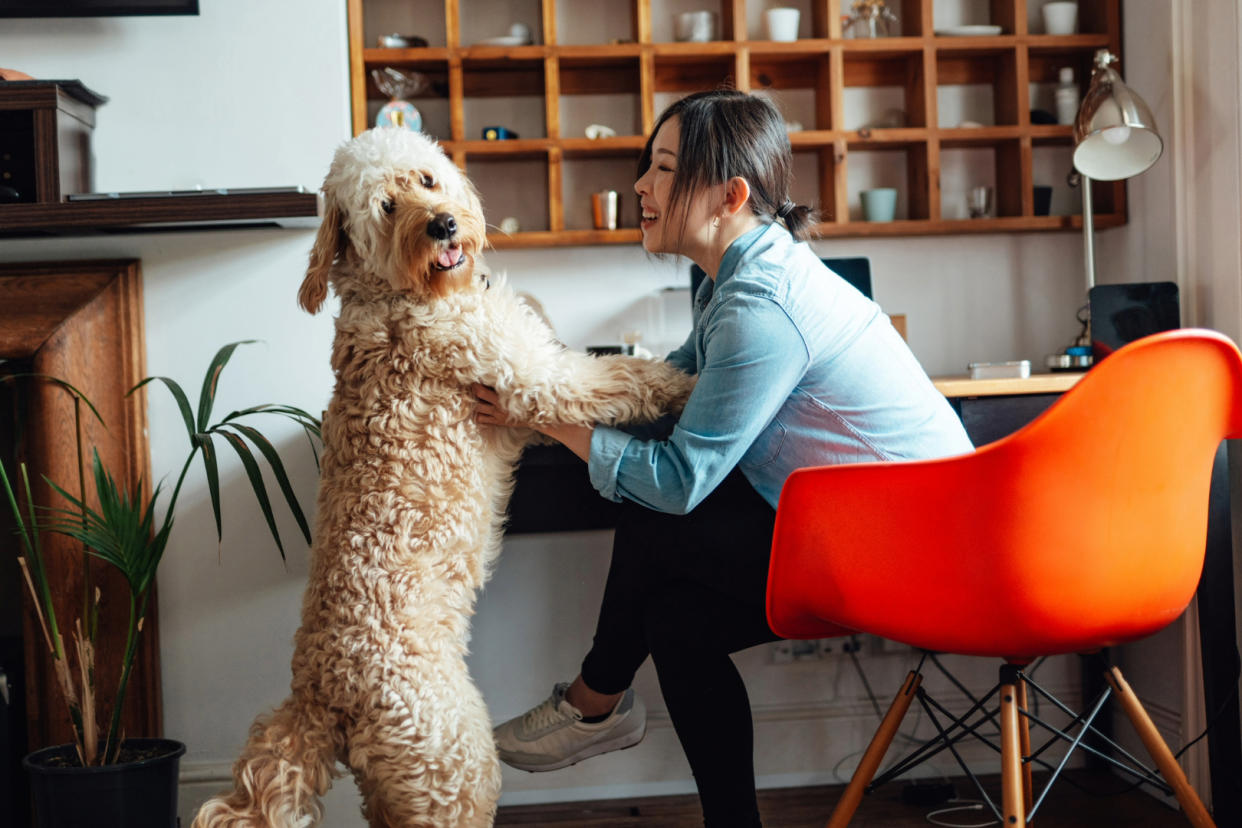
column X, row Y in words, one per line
column 442, row 227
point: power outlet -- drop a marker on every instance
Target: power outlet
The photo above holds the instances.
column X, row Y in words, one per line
column 782, row 652
column 886, row 646
column 815, row 649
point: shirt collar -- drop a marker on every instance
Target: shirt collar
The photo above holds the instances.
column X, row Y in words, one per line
column 739, row 247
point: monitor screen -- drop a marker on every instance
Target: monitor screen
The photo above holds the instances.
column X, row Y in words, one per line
column 1123, row 313
column 94, row 8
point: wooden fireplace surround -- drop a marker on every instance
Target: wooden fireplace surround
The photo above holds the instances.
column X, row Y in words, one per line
column 82, row 321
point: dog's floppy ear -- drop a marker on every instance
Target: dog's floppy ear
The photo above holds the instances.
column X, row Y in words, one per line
column 327, row 247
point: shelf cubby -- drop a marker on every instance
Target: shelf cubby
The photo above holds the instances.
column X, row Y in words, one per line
column 583, row 176
column 872, row 112
column 511, row 186
column 600, row 89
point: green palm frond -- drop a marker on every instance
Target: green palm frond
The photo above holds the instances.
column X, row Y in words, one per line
column 121, row 531
column 207, row 399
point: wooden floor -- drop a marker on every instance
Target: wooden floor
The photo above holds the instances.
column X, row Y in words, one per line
column 1098, row 803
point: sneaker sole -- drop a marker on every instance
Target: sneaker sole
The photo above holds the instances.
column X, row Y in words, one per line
column 625, row 742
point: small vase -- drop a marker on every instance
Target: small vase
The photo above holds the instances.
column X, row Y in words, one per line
column 138, row 794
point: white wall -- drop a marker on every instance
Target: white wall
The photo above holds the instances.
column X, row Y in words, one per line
column 254, row 94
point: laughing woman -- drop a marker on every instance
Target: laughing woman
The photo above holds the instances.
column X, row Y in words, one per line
column 795, row 368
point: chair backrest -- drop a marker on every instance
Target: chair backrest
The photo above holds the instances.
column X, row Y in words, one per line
column 1083, row 529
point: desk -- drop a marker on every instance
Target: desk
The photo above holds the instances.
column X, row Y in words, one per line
column 554, row 494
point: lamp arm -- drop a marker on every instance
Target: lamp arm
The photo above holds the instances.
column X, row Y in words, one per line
column 1088, row 231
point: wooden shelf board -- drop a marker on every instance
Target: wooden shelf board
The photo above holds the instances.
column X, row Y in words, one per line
column 797, row 50
column 904, row 227
column 712, row 50
column 602, row 147
column 606, row 54
column 516, row 148
column 545, row 238
column 374, row 57
column 881, row 139
column 881, row 47
column 978, row 136
column 924, row 227
column 156, row 213
column 1061, row 43
column 1051, row 134
column 500, row 55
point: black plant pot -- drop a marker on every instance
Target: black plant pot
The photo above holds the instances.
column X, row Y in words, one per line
column 138, row 794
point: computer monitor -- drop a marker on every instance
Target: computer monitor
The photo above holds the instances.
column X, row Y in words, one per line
column 1123, row 313
column 854, row 269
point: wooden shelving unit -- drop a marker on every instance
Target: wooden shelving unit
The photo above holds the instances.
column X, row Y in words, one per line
column 817, row 80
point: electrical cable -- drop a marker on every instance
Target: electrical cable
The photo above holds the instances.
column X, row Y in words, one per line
column 963, row 805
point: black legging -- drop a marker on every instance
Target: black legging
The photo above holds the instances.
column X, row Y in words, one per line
column 688, row 590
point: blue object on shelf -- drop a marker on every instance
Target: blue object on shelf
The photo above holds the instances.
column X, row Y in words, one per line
column 498, row 133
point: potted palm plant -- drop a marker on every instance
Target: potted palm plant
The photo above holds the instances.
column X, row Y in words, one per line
column 104, row 778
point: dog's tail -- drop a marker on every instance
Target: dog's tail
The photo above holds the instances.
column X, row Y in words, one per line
column 287, row 765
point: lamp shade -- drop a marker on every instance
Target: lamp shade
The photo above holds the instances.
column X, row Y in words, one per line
column 1115, row 134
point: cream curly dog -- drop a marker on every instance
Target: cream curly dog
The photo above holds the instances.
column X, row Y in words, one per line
column 412, row 496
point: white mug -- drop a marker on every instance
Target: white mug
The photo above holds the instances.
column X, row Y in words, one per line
column 782, row 24
column 1060, row 18
column 696, row 26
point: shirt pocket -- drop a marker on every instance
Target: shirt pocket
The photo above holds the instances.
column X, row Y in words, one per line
column 766, row 448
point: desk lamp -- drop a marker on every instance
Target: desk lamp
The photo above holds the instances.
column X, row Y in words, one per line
column 1115, row 137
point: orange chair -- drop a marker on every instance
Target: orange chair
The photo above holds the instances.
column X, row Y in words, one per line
column 1083, row 530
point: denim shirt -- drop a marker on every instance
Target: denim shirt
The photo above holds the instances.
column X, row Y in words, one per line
column 795, row 368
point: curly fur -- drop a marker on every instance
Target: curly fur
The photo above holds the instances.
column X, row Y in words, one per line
column 412, row 497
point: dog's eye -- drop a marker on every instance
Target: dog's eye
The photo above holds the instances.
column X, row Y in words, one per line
column 388, row 206
column 427, row 181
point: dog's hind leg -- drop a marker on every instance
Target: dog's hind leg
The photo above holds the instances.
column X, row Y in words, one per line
column 427, row 759
column 286, row 766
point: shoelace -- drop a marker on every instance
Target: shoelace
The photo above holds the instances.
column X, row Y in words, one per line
column 547, row 713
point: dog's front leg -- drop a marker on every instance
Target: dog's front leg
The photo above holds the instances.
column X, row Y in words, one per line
column 609, row 390
column 539, row 381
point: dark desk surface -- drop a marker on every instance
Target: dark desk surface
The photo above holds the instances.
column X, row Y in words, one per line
column 554, row 493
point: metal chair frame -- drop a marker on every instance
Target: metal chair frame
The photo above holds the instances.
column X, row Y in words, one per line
column 959, row 727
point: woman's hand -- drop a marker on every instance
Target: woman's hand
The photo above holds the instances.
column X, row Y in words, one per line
column 488, row 410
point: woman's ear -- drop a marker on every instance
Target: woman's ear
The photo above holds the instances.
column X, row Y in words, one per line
column 327, row 247
column 737, row 194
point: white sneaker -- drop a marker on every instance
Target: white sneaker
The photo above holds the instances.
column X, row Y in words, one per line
column 553, row 735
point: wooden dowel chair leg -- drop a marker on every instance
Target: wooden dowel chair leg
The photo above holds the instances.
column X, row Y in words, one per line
column 1013, row 803
column 844, row 812
column 1192, row 806
column 1024, row 745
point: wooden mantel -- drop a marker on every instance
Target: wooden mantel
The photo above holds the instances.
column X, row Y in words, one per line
column 81, row 321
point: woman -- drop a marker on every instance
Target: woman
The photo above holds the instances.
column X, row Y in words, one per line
column 795, row 368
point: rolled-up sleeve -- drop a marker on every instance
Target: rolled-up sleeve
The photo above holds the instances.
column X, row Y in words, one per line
column 754, row 356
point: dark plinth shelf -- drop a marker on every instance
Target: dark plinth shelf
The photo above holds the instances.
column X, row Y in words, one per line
column 196, row 210
column 45, row 163
column 36, row 93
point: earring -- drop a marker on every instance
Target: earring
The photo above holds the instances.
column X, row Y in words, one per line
column 716, row 223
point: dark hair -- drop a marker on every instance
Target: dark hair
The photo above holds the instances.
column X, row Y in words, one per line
column 727, row 133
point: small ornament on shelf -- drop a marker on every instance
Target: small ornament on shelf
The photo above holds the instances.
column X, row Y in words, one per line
column 870, row 18
column 399, row 84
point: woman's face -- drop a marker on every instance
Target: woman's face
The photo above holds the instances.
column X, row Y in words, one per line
column 661, row 228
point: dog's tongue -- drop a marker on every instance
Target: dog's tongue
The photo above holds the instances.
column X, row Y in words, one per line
column 450, row 256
